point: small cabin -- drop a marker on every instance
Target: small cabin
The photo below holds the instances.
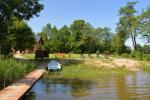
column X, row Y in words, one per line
column 40, row 53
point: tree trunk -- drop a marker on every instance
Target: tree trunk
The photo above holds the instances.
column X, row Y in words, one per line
column 134, row 36
column 4, row 85
column 133, row 40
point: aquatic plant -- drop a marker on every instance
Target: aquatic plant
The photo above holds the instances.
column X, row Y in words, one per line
column 11, row 70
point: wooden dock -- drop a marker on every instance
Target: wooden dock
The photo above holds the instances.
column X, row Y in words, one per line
column 21, row 87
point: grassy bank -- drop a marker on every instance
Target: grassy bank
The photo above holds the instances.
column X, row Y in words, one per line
column 85, row 72
column 11, row 70
column 84, row 67
column 29, row 56
column 145, row 66
column 74, row 56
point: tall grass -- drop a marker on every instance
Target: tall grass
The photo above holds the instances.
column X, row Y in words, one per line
column 11, row 70
column 82, row 71
column 145, row 66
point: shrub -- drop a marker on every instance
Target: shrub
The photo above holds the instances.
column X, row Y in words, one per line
column 125, row 55
column 133, row 54
column 146, row 57
column 145, row 67
column 139, row 55
column 69, row 54
column 97, row 52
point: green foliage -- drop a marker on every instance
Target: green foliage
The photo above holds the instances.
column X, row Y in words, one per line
column 146, row 57
column 63, row 37
column 125, row 55
column 146, row 49
column 18, row 36
column 11, row 70
column 104, row 38
column 129, row 21
column 118, row 42
column 23, row 35
column 144, row 26
column 80, row 37
column 51, row 44
column 133, row 54
column 21, row 10
column 56, row 40
column 46, row 32
column 5, row 44
column 137, row 55
column 97, row 52
column 140, row 53
column 81, row 71
column 145, row 66
column 76, row 29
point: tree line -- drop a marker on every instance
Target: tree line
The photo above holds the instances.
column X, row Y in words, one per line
column 82, row 37
column 79, row 37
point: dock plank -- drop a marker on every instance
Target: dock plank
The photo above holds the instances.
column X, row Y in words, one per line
column 19, row 88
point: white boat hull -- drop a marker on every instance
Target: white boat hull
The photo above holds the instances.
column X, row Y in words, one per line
column 53, row 65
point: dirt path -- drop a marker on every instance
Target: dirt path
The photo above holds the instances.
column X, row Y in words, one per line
column 113, row 63
column 128, row 63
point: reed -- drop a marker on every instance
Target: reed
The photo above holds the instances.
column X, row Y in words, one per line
column 145, row 66
column 11, row 70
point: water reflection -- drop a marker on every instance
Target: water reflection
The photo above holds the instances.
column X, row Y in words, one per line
column 75, row 87
column 118, row 87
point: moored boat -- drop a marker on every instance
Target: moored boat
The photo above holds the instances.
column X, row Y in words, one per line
column 53, row 66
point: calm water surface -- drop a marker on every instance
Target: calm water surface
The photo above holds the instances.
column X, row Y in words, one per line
column 119, row 87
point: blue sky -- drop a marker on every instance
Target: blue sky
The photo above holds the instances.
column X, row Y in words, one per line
column 100, row 13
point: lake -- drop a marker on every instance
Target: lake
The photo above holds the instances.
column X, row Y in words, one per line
column 135, row 86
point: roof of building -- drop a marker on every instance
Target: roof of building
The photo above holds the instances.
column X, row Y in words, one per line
column 38, row 38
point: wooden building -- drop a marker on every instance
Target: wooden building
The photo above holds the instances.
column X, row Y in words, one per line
column 40, row 53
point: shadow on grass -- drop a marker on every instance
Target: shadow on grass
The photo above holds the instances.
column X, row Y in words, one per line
column 90, row 56
column 107, row 57
column 82, row 56
column 69, row 62
column 42, row 63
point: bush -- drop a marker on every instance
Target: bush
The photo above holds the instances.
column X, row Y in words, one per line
column 147, row 57
column 133, row 54
column 97, row 52
column 125, row 55
column 139, row 55
column 69, row 54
